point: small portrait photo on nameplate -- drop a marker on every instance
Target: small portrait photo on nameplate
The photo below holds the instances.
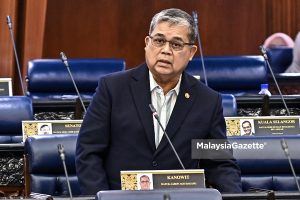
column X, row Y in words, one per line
column 5, row 87
column 46, row 127
column 145, row 181
column 247, row 127
column 162, row 179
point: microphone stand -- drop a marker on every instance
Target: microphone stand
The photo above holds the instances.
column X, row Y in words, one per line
column 264, row 52
column 9, row 23
column 165, row 133
column 65, row 61
column 287, row 154
column 195, row 16
column 61, row 153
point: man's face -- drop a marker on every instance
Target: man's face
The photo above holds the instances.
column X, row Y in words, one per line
column 45, row 130
column 145, row 183
column 247, row 128
column 164, row 62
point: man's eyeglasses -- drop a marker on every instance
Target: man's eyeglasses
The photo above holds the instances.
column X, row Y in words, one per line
column 145, row 181
column 176, row 45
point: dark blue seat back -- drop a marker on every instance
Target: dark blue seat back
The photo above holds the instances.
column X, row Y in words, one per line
column 13, row 110
column 280, row 58
column 229, row 105
column 236, row 75
column 45, row 166
column 267, row 168
column 49, row 78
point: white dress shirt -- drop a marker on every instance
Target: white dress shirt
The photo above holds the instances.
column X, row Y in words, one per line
column 163, row 104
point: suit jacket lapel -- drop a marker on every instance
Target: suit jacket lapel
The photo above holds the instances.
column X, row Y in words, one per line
column 182, row 107
column 140, row 90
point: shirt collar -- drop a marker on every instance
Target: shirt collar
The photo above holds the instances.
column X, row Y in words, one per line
column 154, row 85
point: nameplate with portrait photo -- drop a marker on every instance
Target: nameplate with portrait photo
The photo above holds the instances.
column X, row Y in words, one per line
column 5, row 87
column 45, row 127
column 162, row 179
column 262, row 126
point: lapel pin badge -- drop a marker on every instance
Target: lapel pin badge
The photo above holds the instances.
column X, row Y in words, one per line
column 187, row 95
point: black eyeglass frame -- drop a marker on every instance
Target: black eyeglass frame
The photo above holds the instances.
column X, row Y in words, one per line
column 170, row 43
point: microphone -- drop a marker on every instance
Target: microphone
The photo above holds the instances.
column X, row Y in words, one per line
column 287, row 154
column 264, row 52
column 154, row 113
column 9, row 23
column 167, row 197
column 61, row 152
column 195, row 17
column 65, row 61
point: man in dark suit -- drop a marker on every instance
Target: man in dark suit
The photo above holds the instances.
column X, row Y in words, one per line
column 119, row 131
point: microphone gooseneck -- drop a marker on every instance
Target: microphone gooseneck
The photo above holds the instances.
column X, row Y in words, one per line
column 9, row 23
column 264, row 53
column 65, row 61
column 61, row 152
column 195, row 17
column 285, row 148
column 167, row 197
column 154, row 113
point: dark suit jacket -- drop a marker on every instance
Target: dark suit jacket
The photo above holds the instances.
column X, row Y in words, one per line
column 117, row 133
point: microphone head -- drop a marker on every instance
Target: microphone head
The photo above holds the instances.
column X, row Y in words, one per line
column 60, row 148
column 284, row 146
column 9, row 22
column 63, row 56
column 64, row 59
column 195, row 16
column 61, row 151
column 153, row 110
column 167, row 197
column 263, row 51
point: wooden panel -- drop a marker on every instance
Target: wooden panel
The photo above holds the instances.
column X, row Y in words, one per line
column 100, row 28
column 232, row 27
column 33, row 34
column 283, row 16
column 7, row 7
column 96, row 29
column 117, row 28
column 28, row 34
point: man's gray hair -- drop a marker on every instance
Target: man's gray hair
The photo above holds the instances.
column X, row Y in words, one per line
column 175, row 16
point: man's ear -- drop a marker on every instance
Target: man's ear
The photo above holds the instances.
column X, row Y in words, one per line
column 193, row 50
column 147, row 40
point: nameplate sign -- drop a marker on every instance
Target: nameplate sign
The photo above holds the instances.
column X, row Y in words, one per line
column 162, row 179
column 45, row 127
column 262, row 126
column 5, row 87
